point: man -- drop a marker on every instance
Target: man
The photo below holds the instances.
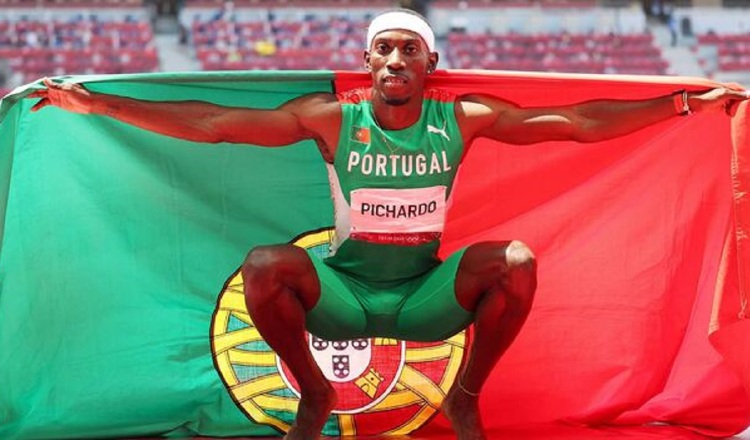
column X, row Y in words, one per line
column 392, row 152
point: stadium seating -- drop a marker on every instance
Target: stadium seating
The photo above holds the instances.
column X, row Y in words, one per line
column 718, row 38
column 251, row 37
column 53, row 37
column 313, row 44
column 534, row 17
column 561, row 52
column 65, row 40
column 724, row 52
column 278, row 38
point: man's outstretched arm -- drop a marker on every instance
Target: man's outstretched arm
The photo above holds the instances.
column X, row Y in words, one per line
column 589, row 121
column 197, row 120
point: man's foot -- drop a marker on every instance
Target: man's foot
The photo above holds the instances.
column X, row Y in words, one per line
column 462, row 410
column 312, row 414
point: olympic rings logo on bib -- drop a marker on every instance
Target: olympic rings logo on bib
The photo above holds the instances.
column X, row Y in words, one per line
column 384, row 386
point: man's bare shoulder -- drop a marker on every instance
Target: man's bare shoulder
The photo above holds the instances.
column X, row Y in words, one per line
column 320, row 116
column 476, row 112
column 313, row 104
column 316, row 111
column 480, row 104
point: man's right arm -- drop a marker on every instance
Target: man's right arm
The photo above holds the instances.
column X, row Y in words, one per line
column 199, row 121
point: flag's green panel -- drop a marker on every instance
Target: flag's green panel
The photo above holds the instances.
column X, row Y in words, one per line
column 115, row 245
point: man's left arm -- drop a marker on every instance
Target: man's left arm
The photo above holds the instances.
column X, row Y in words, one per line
column 589, row 121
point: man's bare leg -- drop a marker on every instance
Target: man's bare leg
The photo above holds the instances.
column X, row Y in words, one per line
column 498, row 281
column 280, row 286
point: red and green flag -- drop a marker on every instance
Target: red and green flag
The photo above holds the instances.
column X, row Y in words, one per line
column 121, row 310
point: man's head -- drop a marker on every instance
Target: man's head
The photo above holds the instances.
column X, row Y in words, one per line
column 400, row 53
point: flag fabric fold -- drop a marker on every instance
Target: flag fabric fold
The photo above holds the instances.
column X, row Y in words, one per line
column 121, row 311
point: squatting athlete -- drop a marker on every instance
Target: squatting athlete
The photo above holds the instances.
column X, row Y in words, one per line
column 391, row 189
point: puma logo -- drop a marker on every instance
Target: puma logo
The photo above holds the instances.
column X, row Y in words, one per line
column 440, row 131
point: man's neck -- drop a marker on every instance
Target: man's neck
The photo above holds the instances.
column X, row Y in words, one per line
column 396, row 117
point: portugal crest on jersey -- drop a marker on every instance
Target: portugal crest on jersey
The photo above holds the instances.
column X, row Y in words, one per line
column 384, row 386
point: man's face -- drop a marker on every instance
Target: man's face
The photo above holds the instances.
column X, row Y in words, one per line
column 399, row 61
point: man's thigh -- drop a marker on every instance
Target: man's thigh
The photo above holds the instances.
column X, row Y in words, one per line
column 349, row 309
column 432, row 313
column 337, row 315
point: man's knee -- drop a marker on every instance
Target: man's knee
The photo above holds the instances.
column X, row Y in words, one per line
column 261, row 259
column 269, row 271
column 521, row 278
column 506, row 268
column 268, row 262
column 519, row 256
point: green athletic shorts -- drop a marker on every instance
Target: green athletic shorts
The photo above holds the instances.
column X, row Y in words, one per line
column 419, row 309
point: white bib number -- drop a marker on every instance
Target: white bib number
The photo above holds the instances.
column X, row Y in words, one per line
column 398, row 210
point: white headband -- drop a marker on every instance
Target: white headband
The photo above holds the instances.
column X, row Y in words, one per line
column 401, row 20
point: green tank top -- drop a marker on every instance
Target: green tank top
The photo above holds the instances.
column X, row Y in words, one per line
column 391, row 188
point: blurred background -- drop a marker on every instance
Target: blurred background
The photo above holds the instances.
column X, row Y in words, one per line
column 705, row 38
